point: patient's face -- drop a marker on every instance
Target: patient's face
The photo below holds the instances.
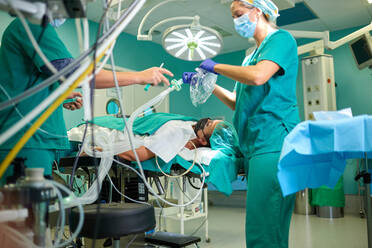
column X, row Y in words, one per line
column 208, row 129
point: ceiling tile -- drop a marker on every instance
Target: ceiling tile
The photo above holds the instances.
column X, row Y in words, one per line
column 340, row 14
column 312, row 25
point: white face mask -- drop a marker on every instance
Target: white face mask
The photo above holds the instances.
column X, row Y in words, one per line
column 57, row 22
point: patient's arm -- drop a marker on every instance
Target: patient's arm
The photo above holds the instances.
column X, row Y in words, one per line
column 142, row 152
column 145, row 154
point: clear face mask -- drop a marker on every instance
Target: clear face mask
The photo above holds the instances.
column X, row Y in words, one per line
column 201, row 86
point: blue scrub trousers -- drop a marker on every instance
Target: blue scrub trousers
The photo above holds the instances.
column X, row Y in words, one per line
column 268, row 213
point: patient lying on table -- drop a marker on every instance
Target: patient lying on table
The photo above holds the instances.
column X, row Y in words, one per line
column 176, row 133
column 166, row 142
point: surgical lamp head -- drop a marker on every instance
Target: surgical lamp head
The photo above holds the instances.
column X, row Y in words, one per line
column 192, row 42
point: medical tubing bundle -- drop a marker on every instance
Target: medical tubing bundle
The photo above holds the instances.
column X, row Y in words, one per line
column 93, row 192
column 132, row 9
column 69, row 84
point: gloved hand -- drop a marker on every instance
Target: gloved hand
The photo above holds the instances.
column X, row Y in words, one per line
column 186, row 77
column 208, row 65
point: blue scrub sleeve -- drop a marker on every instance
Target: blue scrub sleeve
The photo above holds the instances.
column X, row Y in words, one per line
column 279, row 50
column 59, row 64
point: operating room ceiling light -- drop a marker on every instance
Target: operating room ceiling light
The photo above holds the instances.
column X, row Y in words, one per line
column 192, row 42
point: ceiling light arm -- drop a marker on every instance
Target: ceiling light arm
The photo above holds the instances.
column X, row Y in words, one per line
column 315, row 48
column 195, row 20
column 325, row 42
column 141, row 36
column 335, row 44
column 309, row 34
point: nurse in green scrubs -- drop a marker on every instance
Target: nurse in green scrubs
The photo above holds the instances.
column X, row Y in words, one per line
column 21, row 68
column 266, row 110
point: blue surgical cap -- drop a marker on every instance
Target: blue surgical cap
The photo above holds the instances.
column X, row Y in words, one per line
column 225, row 139
column 267, row 6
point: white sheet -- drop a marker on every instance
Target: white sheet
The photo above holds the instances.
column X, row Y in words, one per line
column 204, row 155
column 170, row 138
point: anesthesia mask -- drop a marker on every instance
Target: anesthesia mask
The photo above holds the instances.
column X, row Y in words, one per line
column 202, row 84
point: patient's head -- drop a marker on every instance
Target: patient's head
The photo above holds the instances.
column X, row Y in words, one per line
column 204, row 129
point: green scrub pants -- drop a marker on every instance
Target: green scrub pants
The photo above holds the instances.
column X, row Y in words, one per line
column 268, row 213
column 35, row 158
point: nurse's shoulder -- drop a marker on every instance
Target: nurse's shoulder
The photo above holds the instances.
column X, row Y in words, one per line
column 283, row 43
column 284, row 36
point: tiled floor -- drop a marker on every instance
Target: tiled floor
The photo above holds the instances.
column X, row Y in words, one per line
column 226, row 230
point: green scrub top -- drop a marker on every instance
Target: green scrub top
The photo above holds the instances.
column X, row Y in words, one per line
column 265, row 114
column 17, row 69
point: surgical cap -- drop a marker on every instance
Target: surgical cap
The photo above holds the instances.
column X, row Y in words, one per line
column 267, row 6
column 225, row 139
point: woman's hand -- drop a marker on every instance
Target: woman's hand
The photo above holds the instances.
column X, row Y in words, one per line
column 208, row 65
column 187, row 76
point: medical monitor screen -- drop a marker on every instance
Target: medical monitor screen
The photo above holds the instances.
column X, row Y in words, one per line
column 362, row 52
